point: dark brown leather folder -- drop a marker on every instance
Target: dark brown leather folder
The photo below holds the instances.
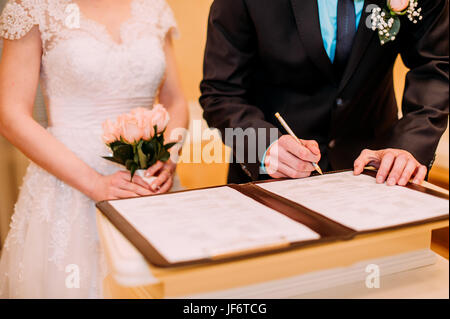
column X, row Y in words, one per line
column 328, row 229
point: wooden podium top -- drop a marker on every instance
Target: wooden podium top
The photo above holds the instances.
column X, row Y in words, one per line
column 130, row 272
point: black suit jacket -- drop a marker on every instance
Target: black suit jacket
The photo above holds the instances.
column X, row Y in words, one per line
column 266, row 56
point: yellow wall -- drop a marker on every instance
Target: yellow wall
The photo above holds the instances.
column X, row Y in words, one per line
column 192, row 18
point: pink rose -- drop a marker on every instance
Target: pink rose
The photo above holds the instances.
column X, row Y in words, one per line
column 111, row 132
column 398, row 5
column 144, row 119
column 140, row 113
column 160, row 117
column 130, row 130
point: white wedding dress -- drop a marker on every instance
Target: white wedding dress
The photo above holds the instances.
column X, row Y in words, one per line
column 87, row 77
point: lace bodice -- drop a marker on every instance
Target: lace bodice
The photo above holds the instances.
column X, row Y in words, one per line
column 86, row 76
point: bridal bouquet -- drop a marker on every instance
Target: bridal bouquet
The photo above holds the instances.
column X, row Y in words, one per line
column 136, row 139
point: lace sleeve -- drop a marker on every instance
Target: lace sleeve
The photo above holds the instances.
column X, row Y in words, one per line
column 18, row 17
column 168, row 24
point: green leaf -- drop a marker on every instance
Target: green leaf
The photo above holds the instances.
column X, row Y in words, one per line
column 393, row 32
column 160, row 138
column 115, row 144
column 169, row 145
column 119, row 146
column 129, row 163
column 112, row 159
column 135, row 154
column 142, row 157
column 396, row 26
column 158, row 149
column 132, row 166
column 164, row 157
column 153, row 150
column 147, row 147
column 122, row 152
column 152, row 161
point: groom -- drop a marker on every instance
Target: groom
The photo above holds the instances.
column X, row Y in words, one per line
column 320, row 64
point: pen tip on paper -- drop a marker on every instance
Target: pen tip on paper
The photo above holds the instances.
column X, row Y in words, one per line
column 318, row 169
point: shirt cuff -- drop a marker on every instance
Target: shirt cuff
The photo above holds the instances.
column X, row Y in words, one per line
column 263, row 166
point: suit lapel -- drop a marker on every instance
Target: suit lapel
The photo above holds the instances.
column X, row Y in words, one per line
column 363, row 37
column 306, row 13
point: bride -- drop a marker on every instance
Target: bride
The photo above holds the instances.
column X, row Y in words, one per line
column 95, row 60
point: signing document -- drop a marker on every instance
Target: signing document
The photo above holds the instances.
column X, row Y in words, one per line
column 212, row 224
column 359, row 202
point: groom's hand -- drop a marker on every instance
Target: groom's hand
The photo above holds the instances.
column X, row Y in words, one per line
column 394, row 166
column 288, row 158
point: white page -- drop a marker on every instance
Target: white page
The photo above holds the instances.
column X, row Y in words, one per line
column 358, row 201
column 199, row 224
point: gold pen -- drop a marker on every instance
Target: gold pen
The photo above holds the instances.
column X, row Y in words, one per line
column 291, row 133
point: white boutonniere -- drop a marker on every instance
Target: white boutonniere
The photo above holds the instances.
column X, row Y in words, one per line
column 387, row 20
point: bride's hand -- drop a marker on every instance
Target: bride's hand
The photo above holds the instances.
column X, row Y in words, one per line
column 164, row 176
column 118, row 186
